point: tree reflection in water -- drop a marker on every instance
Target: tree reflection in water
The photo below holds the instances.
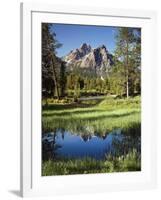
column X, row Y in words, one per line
column 117, row 143
column 125, row 143
column 49, row 146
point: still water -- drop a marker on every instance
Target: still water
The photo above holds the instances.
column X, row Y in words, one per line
column 64, row 144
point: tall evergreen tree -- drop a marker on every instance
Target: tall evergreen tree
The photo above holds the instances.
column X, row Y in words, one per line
column 125, row 49
column 50, row 63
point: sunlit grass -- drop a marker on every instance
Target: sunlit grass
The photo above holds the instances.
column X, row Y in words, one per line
column 103, row 117
column 129, row 162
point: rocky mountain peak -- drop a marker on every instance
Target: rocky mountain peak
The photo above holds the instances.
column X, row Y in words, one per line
column 98, row 59
column 103, row 46
column 78, row 53
column 85, row 47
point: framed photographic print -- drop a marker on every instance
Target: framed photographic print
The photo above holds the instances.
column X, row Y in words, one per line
column 87, row 88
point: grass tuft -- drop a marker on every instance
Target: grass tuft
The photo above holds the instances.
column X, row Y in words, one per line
column 129, row 162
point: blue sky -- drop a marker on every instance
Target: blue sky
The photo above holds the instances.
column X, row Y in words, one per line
column 72, row 37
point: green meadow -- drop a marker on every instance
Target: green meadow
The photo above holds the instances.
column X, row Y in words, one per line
column 101, row 117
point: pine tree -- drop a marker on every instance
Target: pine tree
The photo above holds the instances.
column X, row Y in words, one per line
column 125, row 49
column 50, row 63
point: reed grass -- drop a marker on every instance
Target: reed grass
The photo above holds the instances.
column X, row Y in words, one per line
column 129, row 162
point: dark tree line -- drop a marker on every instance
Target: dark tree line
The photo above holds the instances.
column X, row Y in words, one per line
column 84, row 85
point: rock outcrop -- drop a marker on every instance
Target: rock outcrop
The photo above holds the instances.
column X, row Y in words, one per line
column 99, row 60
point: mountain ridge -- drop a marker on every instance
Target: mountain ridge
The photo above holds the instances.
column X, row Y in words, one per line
column 97, row 60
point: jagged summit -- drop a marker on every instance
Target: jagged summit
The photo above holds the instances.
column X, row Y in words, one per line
column 78, row 53
column 97, row 59
column 84, row 46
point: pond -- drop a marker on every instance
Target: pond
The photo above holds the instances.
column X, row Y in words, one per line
column 64, row 144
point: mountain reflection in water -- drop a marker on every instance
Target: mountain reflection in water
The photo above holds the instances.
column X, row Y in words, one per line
column 63, row 144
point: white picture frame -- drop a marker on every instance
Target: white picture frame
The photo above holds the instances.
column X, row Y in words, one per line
column 32, row 183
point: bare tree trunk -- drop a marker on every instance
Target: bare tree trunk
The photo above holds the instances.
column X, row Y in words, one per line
column 46, row 101
column 127, row 71
column 127, row 88
column 54, row 77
